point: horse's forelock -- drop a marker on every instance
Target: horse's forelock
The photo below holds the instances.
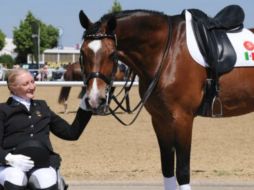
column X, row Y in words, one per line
column 93, row 29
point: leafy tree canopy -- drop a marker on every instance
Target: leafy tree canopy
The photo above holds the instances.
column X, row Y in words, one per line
column 2, row 40
column 116, row 7
column 27, row 33
column 7, row 60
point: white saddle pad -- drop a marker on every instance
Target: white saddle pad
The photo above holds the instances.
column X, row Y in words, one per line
column 243, row 43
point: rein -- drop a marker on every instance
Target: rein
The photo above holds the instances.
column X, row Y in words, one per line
column 109, row 81
column 152, row 85
column 127, row 86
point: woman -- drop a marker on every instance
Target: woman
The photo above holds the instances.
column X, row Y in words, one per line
column 26, row 153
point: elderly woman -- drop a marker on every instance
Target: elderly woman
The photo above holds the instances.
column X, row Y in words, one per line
column 26, row 153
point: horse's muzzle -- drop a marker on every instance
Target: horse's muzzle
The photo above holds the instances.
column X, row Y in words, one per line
column 99, row 108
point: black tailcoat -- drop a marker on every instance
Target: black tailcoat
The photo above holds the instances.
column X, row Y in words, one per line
column 18, row 125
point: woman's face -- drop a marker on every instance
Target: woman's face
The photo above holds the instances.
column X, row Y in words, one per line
column 24, row 86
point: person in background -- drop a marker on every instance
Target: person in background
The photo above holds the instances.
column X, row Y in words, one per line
column 43, row 73
column 16, row 66
column 26, row 153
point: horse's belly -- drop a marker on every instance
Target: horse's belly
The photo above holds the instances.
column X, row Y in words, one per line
column 237, row 91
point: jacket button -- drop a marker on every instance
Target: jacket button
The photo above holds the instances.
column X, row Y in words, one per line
column 32, row 126
column 31, row 135
column 29, row 116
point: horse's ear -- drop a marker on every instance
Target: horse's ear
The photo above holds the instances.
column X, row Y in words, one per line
column 111, row 25
column 84, row 20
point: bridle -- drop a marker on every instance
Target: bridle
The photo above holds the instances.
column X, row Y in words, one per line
column 153, row 83
column 108, row 80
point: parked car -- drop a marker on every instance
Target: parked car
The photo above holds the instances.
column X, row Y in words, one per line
column 58, row 74
column 33, row 68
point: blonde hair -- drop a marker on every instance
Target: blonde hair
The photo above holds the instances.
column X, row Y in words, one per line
column 12, row 76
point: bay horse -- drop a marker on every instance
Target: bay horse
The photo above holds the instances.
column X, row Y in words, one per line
column 73, row 73
column 151, row 42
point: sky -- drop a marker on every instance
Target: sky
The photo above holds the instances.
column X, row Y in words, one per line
column 63, row 14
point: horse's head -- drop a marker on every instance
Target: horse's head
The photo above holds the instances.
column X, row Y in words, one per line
column 98, row 61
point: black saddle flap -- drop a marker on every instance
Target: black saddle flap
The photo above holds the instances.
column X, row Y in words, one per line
column 36, row 150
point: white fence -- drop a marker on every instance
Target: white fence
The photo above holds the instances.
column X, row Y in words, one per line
column 70, row 83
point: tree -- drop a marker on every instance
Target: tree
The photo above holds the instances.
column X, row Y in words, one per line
column 7, row 60
column 2, row 40
column 116, row 7
column 28, row 32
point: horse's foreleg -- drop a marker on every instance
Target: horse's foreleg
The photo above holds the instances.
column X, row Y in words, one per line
column 165, row 139
column 183, row 133
column 167, row 164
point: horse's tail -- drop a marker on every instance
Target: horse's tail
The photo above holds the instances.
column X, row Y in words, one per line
column 64, row 94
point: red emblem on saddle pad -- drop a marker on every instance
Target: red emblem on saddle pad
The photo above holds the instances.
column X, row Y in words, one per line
column 248, row 45
column 249, row 55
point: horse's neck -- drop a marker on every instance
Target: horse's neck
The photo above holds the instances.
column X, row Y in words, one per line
column 144, row 49
column 141, row 47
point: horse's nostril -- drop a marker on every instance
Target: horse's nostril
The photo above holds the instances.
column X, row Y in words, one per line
column 95, row 103
column 102, row 101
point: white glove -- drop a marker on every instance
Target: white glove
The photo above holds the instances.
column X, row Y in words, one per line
column 19, row 161
column 82, row 104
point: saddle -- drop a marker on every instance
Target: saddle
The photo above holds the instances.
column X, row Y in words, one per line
column 212, row 39
column 216, row 48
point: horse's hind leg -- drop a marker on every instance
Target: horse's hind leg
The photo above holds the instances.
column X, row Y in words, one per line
column 65, row 106
column 63, row 97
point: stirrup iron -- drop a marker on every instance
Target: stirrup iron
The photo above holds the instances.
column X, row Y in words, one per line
column 217, row 101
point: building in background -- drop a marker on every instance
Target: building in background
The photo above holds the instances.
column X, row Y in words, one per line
column 58, row 57
column 55, row 58
column 8, row 48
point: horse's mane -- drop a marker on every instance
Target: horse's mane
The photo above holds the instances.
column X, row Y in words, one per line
column 125, row 13
column 117, row 15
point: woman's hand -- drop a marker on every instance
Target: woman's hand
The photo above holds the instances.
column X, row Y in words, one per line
column 19, row 161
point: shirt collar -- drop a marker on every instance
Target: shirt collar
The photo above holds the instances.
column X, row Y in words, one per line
column 26, row 103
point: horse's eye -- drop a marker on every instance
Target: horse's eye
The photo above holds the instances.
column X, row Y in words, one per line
column 113, row 57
